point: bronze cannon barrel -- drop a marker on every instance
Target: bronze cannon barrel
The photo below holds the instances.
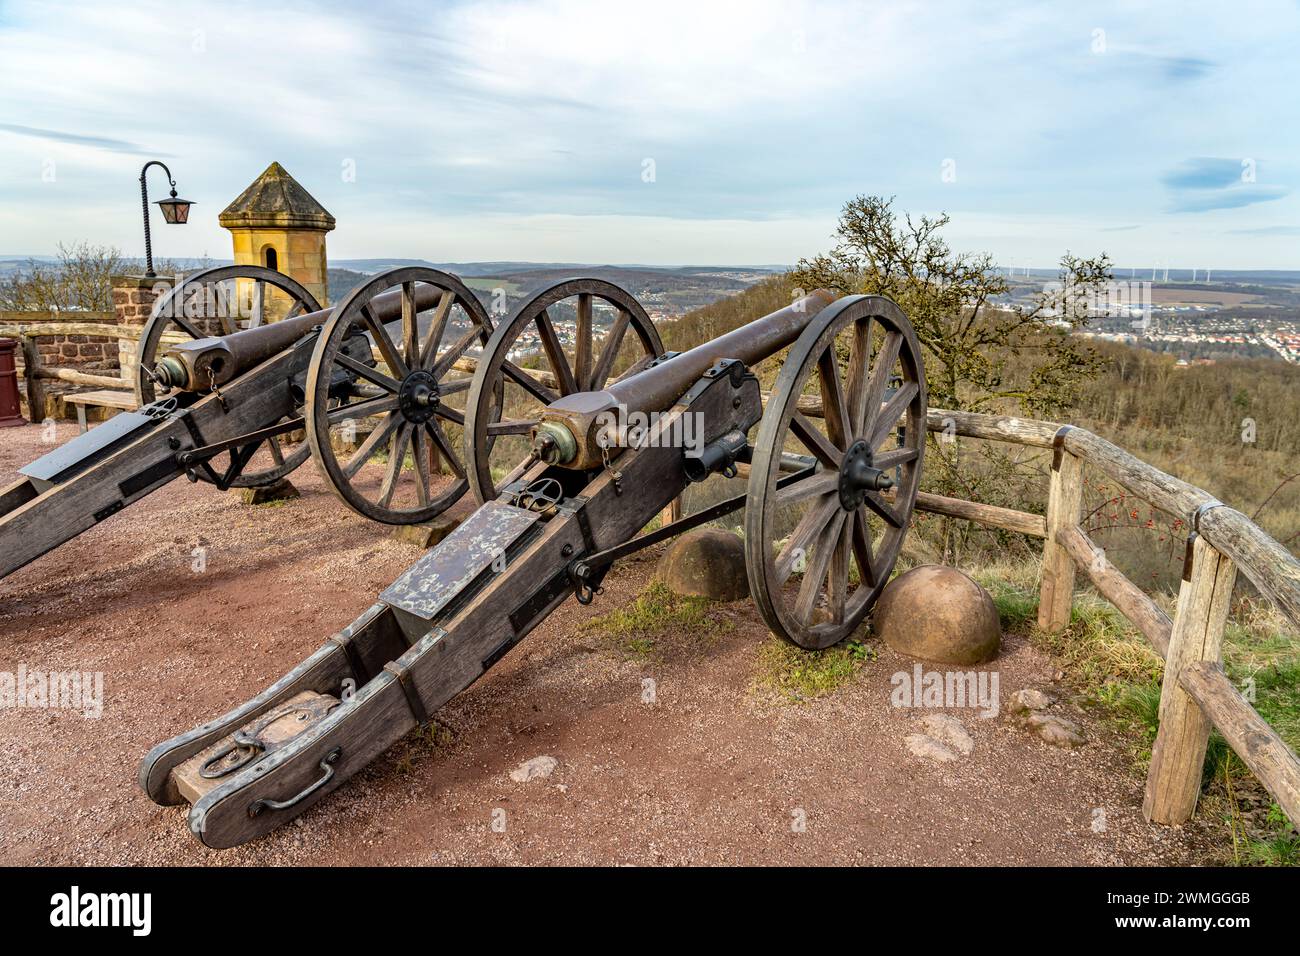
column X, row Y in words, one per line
column 658, row 387
column 567, row 433
column 216, row 360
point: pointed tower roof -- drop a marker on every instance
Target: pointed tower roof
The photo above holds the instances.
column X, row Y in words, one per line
column 276, row 200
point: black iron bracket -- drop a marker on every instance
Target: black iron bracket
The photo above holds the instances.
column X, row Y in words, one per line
column 203, row 453
column 1058, row 445
column 586, row 570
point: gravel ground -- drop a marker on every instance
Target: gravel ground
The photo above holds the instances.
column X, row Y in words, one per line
column 709, row 773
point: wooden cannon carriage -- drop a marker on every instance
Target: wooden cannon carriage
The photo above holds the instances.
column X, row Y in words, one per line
column 221, row 392
column 827, row 506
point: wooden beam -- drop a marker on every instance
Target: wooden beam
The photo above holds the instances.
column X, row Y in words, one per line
column 1178, row 757
column 1140, row 610
column 50, row 317
column 17, row 330
column 468, row 363
column 81, row 378
column 1004, row 518
column 1268, row 565
column 1056, row 594
column 1008, row 428
column 1272, row 762
column 1150, row 484
column 671, row 512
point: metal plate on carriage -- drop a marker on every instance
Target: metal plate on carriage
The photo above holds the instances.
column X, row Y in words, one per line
column 431, row 583
column 87, row 449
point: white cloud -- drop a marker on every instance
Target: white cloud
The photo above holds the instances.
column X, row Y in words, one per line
column 483, row 114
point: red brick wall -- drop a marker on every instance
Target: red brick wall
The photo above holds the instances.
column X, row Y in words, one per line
column 133, row 298
column 80, row 349
column 69, row 349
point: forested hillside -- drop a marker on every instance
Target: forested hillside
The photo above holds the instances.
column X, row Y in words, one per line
column 1232, row 428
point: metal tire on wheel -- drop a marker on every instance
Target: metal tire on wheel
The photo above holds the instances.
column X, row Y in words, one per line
column 837, row 520
column 408, row 393
column 580, row 368
column 180, row 312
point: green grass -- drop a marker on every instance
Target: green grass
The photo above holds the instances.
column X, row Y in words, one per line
column 639, row 628
column 1277, row 698
column 1140, row 702
column 1100, row 646
column 1016, row 609
column 1281, row 848
column 422, row 741
column 1120, row 673
column 794, row 675
column 1264, row 661
column 1014, row 589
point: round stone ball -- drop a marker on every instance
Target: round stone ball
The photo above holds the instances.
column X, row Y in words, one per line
column 706, row 562
column 939, row 614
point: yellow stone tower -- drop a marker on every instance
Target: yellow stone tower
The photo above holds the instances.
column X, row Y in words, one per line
column 278, row 224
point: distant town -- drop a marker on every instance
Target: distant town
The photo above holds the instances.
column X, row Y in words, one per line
column 1211, row 333
column 1237, row 315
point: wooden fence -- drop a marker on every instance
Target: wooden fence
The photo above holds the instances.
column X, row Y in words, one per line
column 35, row 370
column 1196, row 693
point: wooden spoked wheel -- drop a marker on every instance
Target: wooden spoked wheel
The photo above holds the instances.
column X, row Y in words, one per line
column 385, row 398
column 570, row 337
column 820, row 549
column 219, row 302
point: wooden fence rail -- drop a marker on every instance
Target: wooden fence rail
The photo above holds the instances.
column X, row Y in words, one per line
column 1196, row 694
column 34, row 370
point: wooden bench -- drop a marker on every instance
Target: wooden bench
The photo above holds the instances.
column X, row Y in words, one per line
column 104, row 398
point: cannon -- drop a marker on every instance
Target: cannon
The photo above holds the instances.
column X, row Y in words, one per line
column 827, row 507
column 223, row 393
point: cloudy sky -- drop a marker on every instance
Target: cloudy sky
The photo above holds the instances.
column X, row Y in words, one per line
column 664, row 131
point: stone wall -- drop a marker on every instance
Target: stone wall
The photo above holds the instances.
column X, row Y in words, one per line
column 69, row 350
column 133, row 297
column 100, row 355
column 133, row 301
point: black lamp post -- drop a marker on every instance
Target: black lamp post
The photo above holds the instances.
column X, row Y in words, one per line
column 175, row 211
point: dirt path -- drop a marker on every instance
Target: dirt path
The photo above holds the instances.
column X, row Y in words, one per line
column 708, row 773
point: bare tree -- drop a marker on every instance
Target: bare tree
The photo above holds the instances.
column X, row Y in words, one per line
column 978, row 355
column 79, row 281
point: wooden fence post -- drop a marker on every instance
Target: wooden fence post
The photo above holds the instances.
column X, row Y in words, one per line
column 35, row 391
column 1056, row 593
column 671, row 512
column 1178, row 758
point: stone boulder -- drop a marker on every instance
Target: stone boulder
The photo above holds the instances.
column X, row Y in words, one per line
column 429, row 533
column 539, row 768
column 1027, row 701
column 281, row 490
column 1056, row 730
column 938, row 614
column 706, row 562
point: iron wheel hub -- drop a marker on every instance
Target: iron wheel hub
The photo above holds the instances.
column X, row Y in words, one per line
column 418, row 396
column 858, row 476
